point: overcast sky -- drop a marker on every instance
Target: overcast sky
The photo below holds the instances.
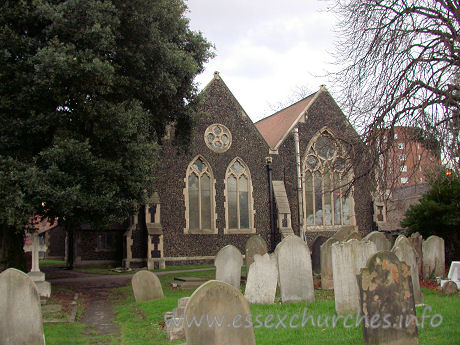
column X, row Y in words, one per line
column 265, row 50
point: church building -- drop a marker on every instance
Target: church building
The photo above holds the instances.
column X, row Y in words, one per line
column 289, row 173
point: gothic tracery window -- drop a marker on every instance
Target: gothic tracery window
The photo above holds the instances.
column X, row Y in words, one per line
column 200, row 196
column 218, row 138
column 239, row 215
column 327, row 198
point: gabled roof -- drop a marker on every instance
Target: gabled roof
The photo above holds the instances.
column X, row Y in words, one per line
column 276, row 127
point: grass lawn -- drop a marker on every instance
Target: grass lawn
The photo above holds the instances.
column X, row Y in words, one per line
column 52, row 263
column 107, row 269
column 143, row 323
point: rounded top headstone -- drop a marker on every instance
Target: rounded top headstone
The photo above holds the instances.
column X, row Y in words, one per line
column 146, row 286
column 255, row 245
column 20, row 310
column 225, row 252
column 380, row 240
column 216, row 300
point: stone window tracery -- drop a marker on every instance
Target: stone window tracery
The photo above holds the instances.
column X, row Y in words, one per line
column 239, row 202
column 218, row 138
column 328, row 200
column 199, row 197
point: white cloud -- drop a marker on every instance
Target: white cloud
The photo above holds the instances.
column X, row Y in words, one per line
column 265, row 49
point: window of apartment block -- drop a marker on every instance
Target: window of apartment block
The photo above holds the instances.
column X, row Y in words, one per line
column 401, row 146
column 403, row 168
column 404, row 180
column 402, row 157
column 396, row 136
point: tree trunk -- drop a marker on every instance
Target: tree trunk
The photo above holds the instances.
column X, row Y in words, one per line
column 11, row 248
column 70, row 245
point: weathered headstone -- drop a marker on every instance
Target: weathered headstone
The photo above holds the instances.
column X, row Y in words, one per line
column 43, row 287
column 416, row 240
column 433, row 257
column 294, row 269
column 327, row 281
column 174, row 321
column 343, row 233
column 347, row 260
column 380, row 240
column 385, row 287
column 20, row 313
column 228, row 264
column 262, row 280
column 316, row 254
column 454, row 273
column 406, row 253
column 449, row 288
column 255, row 245
column 354, row 236
column 221, row 302
column 146, row 286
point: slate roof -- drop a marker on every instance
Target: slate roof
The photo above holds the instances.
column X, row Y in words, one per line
column 274, row 127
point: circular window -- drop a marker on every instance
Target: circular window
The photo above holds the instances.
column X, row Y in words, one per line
column 218, row 138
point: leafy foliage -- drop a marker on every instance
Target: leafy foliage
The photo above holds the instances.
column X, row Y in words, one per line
column 86, row 90
column 438, row 212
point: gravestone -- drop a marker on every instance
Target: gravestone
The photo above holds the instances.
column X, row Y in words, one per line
column 262, row 280
column 174, row 321
column 43, row 287
column 219, row 301
column 327, row 281
column 343, row 233
column 406, row 253
column 454, row 274
column 255, row 245
column 294, row 269
column 347, row 260
column 385, row 287
column 380, row 240
column 354, row 236
column 449, row 288
column 316, row 254
column 416, row 240
column 433, row 257
column 146, row 287
column 20, row 312
column 228, row 264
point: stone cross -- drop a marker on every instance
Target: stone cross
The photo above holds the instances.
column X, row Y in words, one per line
column 35, row 248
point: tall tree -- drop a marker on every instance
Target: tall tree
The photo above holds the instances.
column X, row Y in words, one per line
column 86, row 90
column 398, row 65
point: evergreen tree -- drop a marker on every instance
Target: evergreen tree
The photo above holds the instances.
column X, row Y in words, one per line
column 438, row 211
column 86, row 90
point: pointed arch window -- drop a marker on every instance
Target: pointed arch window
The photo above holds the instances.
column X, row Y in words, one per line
column 328, row 200
column 199, row 197
column 239, row 208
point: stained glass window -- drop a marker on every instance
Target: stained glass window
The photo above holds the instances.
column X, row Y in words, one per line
column 238, row 196
column 327, row 198
column 200, row 198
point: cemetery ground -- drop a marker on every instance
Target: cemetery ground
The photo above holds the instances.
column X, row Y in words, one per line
column 134, row 323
